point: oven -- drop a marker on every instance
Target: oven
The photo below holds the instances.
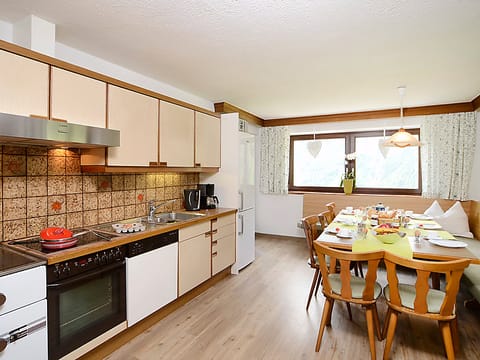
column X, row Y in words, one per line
column 86, row 302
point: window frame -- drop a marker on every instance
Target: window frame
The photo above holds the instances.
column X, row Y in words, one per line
column 350, row 138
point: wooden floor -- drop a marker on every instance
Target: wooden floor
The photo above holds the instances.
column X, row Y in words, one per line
column 260, row 314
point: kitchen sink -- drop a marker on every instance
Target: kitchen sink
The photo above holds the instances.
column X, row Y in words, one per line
column 174, row 217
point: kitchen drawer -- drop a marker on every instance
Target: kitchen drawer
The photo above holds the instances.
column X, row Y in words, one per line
column 223, row 220
column 23, row 288
column 194, row 230
column 224, row 231
column 223, row 253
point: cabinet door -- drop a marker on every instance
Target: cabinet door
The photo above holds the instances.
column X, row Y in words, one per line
column 177, row 128
column 207, row 140
column 223, row 248
column 78, row 99
column 194, row 262
column 23, row 85
column 136, row 116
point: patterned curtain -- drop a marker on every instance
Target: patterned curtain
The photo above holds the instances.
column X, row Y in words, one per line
column 274, row 142
column 447, row 154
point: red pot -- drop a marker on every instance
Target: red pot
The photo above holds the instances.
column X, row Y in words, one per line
column 55, row 233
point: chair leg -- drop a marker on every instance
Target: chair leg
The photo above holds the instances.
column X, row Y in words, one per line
column 329, row 319
column 385, row 324
column 447, row 339
column 360, row 268
column 369, row 314
column 355, row 268
column 312, row 287
column 349, row 311
column 318, row 283
column 456, row 340
column 325, row 317
column 392, row 324
column 377, row 323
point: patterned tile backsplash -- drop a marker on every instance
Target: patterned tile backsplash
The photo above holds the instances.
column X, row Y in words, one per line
column 42, row 187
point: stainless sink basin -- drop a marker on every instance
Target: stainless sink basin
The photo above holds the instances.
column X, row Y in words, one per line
column 173, row 217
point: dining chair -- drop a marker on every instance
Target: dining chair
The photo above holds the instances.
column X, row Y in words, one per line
column 349, row 288
column 330, row 211
column 420, row 299
column 311, row 229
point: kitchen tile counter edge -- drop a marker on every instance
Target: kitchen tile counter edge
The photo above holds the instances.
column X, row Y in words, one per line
column 123, row 239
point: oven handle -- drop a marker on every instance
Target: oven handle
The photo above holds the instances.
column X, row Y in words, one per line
column 21, row 332
column 90, row 274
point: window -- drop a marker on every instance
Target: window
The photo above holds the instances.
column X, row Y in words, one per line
column 396, row 173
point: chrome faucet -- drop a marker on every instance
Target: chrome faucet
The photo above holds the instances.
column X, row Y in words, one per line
column 152, row 208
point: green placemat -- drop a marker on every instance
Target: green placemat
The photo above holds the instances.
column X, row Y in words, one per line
column 371, row 243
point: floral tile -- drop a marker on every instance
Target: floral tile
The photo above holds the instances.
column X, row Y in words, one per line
column 15, row 229
column 56, row 204
column 90, row 183
column 118, row 182
column 35, row 225
column 90, row 217
column 130, row 211
column 140, row 181
column 130, row 197
column 56, row 185
column 118, row 198
column 104, row 215
column 14, row 186
column 72, row 166
column 37, row 165
column 73, row 184
column 140, row 196
column 118, row 213
column 74, row 203
column 14, row 165
column 129, row 182
column 57, row 220
column 104, row 183
column 37, row 186
column 37, row 206
column 56, row 165
column 90, row 201
column 104, row 200
column 74, row 220
column 14, row 209
column 160, row 180
column 150, row 181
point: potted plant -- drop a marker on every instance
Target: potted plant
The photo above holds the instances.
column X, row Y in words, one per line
column 348, row 181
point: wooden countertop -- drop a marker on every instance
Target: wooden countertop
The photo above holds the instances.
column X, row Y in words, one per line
column 122, row 239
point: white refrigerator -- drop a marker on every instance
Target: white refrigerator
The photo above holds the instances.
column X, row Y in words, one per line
column 246, row 203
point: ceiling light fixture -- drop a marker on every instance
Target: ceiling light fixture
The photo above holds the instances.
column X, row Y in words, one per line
column 401, row 138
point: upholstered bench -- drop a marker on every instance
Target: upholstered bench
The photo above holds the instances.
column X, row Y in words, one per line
column 471, row 275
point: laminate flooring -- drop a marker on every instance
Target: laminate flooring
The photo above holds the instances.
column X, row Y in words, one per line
column 260, row 314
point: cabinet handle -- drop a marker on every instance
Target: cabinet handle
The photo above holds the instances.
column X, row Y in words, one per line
column 3, row 298
column 240, row 231
column 198, row 165
column 208, row 234
column 214, row 231
column 214, row 242
column 214, row 254
column 214, row 220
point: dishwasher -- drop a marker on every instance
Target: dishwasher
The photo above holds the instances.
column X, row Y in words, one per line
column 152, row 268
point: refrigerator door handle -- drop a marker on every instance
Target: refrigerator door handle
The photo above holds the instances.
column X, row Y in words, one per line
column 240, row 232
column 241, row 199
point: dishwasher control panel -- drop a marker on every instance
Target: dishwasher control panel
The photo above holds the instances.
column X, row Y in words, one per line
column 151, row 243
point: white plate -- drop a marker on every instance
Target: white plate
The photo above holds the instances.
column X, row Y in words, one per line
column 346, row 212
column 344, row 234
column 332, row 231
column 449, row 243
column 421, row 217
column 429, row 226
column 128, row 228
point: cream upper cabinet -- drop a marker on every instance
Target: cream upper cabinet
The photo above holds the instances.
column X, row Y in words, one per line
column 177, row 135
column 136, row 116
column 77, row 98
column 207, row 140
column 23, row 85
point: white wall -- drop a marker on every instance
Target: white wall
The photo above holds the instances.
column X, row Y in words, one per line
column 6, row 31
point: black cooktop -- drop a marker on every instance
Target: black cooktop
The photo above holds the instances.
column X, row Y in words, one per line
column 12, row 261
column 89, row 237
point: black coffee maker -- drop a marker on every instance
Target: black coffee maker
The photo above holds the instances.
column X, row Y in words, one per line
column 207, row 198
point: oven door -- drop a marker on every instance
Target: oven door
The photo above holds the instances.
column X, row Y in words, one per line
column 85, row 306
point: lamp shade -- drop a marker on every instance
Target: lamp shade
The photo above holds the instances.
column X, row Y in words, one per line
column 401, row 139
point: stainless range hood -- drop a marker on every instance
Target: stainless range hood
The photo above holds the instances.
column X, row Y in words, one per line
column 29, row 131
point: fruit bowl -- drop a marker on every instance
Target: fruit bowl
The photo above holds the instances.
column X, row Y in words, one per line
column 388, row 238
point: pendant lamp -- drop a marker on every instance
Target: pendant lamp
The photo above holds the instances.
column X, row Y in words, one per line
column 401, row 138
column 314, row 146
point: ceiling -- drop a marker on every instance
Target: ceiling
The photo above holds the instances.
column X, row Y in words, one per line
column 279, row 58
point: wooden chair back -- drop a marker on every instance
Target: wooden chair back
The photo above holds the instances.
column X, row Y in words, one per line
column 331, row 207
column 343, row 259
column 452, row 270
column 312, row 232
column 328, row 215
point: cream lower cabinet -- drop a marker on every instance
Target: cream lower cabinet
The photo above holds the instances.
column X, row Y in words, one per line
column 78, row 99
column 207, row 140
column 194, row 256
column 223, row 242
column 177, row 135
column 23, row 85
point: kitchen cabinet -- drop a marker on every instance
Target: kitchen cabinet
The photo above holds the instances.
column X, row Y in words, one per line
column 223, row 242
column 23, row 86
column 77, row 98
column 177, row 135
column 194, row 256
column 136, row 116
column 207, row 140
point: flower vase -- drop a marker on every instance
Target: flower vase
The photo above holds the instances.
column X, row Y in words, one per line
column 348, row 186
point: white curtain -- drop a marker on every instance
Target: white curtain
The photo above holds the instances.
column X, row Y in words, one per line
column 447, row 154
column 274, row 142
